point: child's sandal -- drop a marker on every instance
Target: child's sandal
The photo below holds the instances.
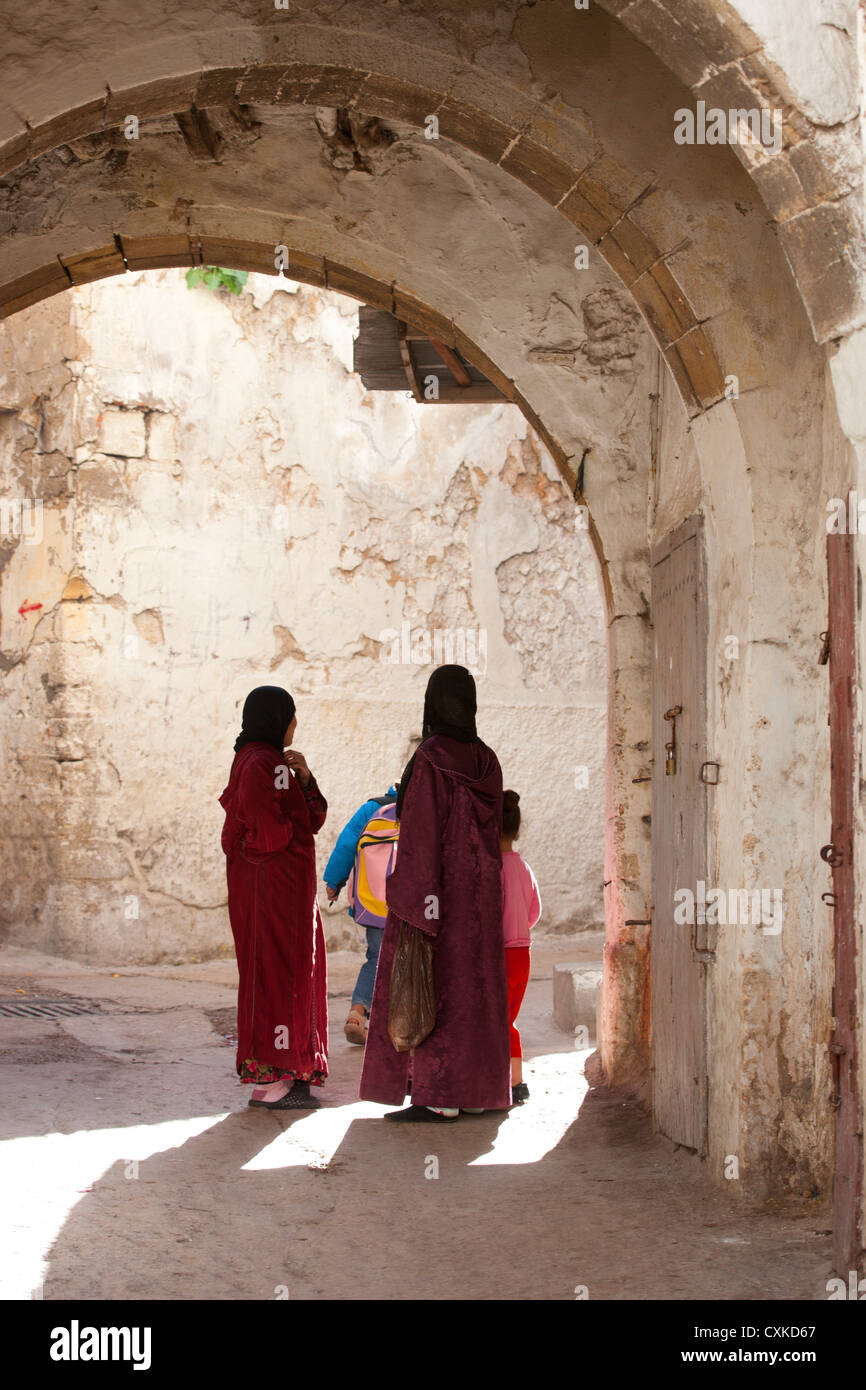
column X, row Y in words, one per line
column 355, row 1028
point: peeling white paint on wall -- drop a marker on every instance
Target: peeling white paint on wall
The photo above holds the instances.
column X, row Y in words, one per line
column 234, row 509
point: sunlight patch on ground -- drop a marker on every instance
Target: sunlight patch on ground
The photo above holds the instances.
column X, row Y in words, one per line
column 557, row 1089
column 42, row 1177
column 313, row 1141
column 557, row 1085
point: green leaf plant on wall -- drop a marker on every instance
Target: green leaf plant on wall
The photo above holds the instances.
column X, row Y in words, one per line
column 214, row 277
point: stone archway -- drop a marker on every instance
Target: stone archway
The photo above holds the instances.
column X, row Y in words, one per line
column 688, row 236
column 564, row 156
column 627, row 1037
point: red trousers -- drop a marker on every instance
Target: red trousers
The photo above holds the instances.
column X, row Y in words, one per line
column 517, row 963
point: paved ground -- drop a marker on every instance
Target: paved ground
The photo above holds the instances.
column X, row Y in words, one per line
column 131, row 1168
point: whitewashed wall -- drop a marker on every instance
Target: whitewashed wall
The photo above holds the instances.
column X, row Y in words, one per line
column 231, row 508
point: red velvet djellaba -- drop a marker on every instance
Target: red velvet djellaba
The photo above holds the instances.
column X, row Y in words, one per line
column 447, row 883
column 279, row 941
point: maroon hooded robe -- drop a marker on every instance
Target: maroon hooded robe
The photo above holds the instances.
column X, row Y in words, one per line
column 274, row 913
column 448, row 860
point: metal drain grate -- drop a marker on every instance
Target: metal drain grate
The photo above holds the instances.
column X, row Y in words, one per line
column 46, row 1008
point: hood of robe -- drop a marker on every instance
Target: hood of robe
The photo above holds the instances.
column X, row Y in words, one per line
column 241, row 758
column 474, row 765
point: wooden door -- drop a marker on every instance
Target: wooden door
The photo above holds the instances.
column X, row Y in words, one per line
column 679, row 837
column 839, row 854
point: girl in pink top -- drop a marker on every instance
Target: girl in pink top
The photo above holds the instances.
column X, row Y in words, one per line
column 521, row 910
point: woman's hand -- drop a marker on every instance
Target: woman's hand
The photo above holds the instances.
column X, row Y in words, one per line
column 333, row 893
column 298, row 763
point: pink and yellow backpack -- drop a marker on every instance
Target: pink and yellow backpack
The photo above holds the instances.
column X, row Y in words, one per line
column 374, row 861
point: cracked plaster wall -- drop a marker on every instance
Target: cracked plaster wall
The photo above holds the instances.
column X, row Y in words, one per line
column 224, row 505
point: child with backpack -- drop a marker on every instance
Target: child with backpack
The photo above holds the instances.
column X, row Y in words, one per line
column 364, row 857
column 521, row 910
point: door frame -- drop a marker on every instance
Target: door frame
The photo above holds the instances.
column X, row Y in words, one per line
column 843, row 609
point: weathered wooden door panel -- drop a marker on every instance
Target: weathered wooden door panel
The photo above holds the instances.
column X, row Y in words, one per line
column 848, row 1176
column 679, row 837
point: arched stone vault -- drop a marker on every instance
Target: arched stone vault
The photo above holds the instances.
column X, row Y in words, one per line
column 577, row 418
column 738, row 271
column 571, row 148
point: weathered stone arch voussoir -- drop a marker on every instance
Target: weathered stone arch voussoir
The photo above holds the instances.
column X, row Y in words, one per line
column 590, row 196
column 590, row 192
column 552, row 148
column 813, row 186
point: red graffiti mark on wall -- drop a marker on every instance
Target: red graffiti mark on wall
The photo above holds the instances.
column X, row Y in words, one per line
column 29, row 608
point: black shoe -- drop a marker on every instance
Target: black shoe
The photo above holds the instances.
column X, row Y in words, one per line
column 284, row 1102
column 519, row 1093
column 420, row 1115
column 297, row 1097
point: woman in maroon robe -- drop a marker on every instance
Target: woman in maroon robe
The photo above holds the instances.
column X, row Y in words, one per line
column 447, row 883
column 271, row 818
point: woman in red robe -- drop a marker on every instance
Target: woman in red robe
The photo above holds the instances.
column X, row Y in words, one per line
column 272, row 814
column 447, row 883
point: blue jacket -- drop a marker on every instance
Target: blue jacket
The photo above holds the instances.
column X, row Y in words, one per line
column 339, row 866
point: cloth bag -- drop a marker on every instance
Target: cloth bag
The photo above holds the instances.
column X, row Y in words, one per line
column 412, row 1005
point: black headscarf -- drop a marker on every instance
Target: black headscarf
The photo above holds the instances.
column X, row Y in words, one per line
column 268, row 712
column 449, row 709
